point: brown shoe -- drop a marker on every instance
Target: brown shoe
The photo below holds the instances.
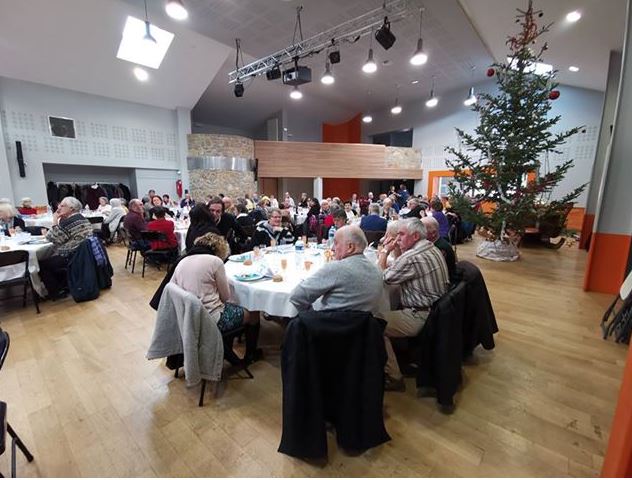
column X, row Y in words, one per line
column 394, row 384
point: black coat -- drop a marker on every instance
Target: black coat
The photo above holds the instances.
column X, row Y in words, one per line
column 333, row 370
column 441, row 345
column 198, row 230
column 85, row 277
column 479, row 322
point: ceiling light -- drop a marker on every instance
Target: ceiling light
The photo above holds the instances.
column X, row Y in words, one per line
column 419, row 57
column 471, row 98
column 573, row 68
column 573, row 16
column 432, row 101
column 175, row 9
column 370, row 65
column 148, row 37
column 414, row 82
column 384, row 36
column 396, row 110
column 141, row 74
column 135, row 49
column 327, row 77
column 296, row 94
column 367, row 119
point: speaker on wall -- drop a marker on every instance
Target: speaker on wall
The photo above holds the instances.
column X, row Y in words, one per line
column 18, row 149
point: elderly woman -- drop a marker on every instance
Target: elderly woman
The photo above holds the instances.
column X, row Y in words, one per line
column 104, row 207
column 9, row 218
column 69, row 229
column 113, row 220
column 202, row 273
column 271, row 232
column 26, row 207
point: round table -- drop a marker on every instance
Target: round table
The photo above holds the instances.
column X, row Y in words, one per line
column 45, row 221
column 272, row 297
column 37, row 251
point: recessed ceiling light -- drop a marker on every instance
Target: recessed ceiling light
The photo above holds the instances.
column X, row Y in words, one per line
column 141, row 74
column 134, row 49
column 367, row 119
column 414, row 82
column 175, row 9
column 573, row 16
column 396, row 110
column 573, row 68
column 296, row 94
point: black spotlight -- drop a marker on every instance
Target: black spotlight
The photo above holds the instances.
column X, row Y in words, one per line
column 239, row 89
column 334, row 57
column 274, row 73
column 384, row 36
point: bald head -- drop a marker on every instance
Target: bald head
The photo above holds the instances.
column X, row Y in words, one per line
column 349, row 240
column 432, row 228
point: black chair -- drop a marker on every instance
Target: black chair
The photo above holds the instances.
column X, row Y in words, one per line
column 373, row 236
column 132, row 249
column 15, row 258
column 5, row 427
column 157, row 256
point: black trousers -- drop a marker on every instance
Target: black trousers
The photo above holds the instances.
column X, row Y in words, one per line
column 54, row 274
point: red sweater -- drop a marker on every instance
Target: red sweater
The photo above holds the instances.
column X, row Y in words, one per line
column 27, row 211
column 166, row 227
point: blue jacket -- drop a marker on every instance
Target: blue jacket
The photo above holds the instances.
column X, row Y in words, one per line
column 373, row 223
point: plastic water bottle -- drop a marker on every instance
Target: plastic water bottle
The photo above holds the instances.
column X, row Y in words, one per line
column 330, row 237
column 299, row 253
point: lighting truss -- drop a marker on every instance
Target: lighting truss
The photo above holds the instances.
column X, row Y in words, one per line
column 349, row 31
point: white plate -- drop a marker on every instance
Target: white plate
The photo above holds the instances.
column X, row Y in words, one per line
column 249, row 277
column 239, row 258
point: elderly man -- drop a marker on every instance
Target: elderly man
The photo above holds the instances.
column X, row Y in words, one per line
column 350, row 283
column 432, row 235
column 373, row 222
column 135, row 223
column 69, row 229
column 388, row 211
column 422, row 275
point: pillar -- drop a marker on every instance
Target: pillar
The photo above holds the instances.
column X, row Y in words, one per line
column 318, row 188
column 183, row 118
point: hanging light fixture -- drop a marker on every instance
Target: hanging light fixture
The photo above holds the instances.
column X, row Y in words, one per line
column 327, row 78
column 397, row 108
column 471, row 98
column 370, row 66
column 419, row 57
column 175, row 9
column 148, row 36
column 296, row 94
column 432, row 100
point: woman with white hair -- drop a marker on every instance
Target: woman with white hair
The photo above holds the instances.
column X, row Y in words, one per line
column 26, row 207
column 104, row 207
column 9, row 218
column 113, row 220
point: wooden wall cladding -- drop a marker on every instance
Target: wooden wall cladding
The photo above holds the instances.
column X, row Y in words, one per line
column 328, row 160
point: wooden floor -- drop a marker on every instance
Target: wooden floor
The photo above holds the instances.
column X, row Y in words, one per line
column 87, row 403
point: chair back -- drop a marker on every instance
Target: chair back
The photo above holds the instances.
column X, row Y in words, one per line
column 14, row 258
column 152, row 236
column 4, row 346
column 373, row 236
column 94, row 220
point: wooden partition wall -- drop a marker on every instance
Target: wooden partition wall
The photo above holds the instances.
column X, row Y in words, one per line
column 328, row 160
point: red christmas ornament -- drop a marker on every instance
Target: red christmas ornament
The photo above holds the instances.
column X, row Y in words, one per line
column 490, row 72
column 554, row 95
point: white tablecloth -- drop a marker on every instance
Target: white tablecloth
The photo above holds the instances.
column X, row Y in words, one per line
column 36, row 253
column 181, row 235
column 45, row 221
column 274, row 297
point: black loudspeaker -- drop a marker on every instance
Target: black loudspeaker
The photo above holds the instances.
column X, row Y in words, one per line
column 18, row 149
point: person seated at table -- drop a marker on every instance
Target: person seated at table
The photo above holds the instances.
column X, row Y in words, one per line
column 201, row 224
column 124, row 205
column 436, row 209
column 26, row 207
column 162, row 225
column 9, row 219
column 166, row 201
column 352, row 282
column 226, row 224
column 229, row 207
column 260, row 211
column 187, row 201
column 373, row 222
column 202, row 273
column 271, row 230
column 112, row 221
column 68, row 231
column 432, row 234
column 422, row 274
column 304, row 201
column 274, row 203
column 391, row 236
column 351, row 214
column 156, row 201
column 288, row 200
column 340, row 219
column 388, row 212
column 355, row 203
column 134, row 224
column 104, row 207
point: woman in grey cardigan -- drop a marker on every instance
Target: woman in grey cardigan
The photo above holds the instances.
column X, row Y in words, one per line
column 112, row 221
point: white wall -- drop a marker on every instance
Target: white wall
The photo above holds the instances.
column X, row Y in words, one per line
column 110, row 133
column 434, row 129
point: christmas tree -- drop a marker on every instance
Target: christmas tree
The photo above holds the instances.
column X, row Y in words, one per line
column 500, row 165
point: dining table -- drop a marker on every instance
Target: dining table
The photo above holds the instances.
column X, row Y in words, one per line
column 38, row 247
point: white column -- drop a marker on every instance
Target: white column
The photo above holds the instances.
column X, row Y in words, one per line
column 318, row 187
column 418, row 187
column 6, row 188
column 183, row 119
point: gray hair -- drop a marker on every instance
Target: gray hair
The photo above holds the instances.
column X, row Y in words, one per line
column 5, row 200
column 354, row 234
column 104, row 198
column 415, row 201
column 8, row 208
column 25, row 201
column 374, row 208
column 413, row 225
column 115, row 202
column 392, row 227
column 72, row 203
column 431, row 224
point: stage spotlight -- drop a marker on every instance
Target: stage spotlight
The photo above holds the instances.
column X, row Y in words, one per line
column 334, row 56
column 384, row 36
column 239, row 89
column 274, row 73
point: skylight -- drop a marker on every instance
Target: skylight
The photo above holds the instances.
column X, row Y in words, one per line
column 134, row 48
column 537, row 68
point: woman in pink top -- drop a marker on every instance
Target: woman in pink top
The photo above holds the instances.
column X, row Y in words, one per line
column 203, row 274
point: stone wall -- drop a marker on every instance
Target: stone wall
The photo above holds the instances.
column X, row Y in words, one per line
column 403, row 157
column 217, row 145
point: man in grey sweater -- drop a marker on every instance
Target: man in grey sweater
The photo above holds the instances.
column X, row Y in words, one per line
column 353, row 282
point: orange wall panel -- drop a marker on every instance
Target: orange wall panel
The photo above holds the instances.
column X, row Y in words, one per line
column 340, row 187
column 347, row 132
column 575, row 218
column 607, row 260
column 587, row 227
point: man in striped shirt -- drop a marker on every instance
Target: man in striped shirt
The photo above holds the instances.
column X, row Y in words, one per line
column 422, row 274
